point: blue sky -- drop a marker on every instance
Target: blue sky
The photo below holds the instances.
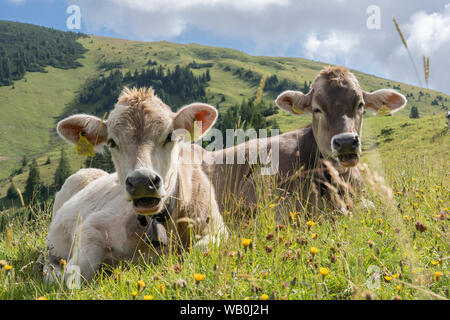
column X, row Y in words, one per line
column 331, row 31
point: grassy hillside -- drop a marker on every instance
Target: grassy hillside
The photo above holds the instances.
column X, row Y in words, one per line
column 402, row 243
column 29, row 107
column 405, row 238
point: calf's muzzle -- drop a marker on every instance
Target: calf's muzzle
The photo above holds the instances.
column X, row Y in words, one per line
column 145, row 189
column 347, row 148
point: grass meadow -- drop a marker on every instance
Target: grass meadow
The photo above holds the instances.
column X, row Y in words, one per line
column 397, row 250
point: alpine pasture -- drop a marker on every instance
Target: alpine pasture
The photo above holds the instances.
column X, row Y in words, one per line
column 398, row 249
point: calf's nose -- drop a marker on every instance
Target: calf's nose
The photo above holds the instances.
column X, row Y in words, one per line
column 143, row 182
column 346, row 143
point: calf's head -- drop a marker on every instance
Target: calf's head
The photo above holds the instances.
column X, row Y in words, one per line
column 337, row 103
column 144, row 137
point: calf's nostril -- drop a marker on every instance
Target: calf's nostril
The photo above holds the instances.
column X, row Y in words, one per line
column 128, row 183
column 154, row 182
column 157, row 182
column 336, row 144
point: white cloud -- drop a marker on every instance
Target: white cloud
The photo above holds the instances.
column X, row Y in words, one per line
column 159, row 19
column 333, row 48
column 429, row 32
column 426, row 34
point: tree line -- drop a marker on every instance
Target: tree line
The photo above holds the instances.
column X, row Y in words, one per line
column 25, row 47
column 175, row 87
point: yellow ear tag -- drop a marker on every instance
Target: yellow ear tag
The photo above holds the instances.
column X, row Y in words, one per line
column 296, row 110
column 83, row 147
column 384, row 111
column 195, row 131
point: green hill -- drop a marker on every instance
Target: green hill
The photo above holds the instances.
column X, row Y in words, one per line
column 29, row 108
column 405, row 236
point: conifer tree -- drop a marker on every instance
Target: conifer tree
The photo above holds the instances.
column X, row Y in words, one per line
column 414, row 114
column 62, row 172
column 12, row 192
column 33, row 183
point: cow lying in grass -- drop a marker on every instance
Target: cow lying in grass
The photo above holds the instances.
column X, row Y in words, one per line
column 337, row 103
column 100, row 217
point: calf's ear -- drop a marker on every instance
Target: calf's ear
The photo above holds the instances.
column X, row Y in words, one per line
column 294, row 102
column 391, row 98
column 91, row 127
column 196, row 118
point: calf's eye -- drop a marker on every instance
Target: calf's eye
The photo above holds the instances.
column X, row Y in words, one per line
column 317, row 111
column 111, row 143
column 361, row 105
column 168, row 139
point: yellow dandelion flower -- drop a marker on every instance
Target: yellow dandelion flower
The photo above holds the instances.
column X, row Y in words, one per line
column 264, row 297
column 421, row 190
column 437, row 275
column 405, row 217
column 399, row 288
column 324, row 271
column 310, row 223
column 134, row 293
column 388, row 278
column 345, row 226
column 199, row 277
column 436, row 262
column 399, row 192
column 413, row 179
column 141, row 283
column 62, row 262
column 271, row 205
column 380, row 221
column 246, row 242
column 42, row 298
column 416, row 205
column 292, row 215
column 440, row 200
column 282, row 198
column 162, row 289
column 438, row 235
column 314, row 235
column 314, row 250
column 8, row 267
column 363, row 221
column 227, row 212
column 438, row 187
column 395, row 276
column 148, row 297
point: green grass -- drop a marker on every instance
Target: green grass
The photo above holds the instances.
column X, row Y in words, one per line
column 412, row 156
column 414, row 164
